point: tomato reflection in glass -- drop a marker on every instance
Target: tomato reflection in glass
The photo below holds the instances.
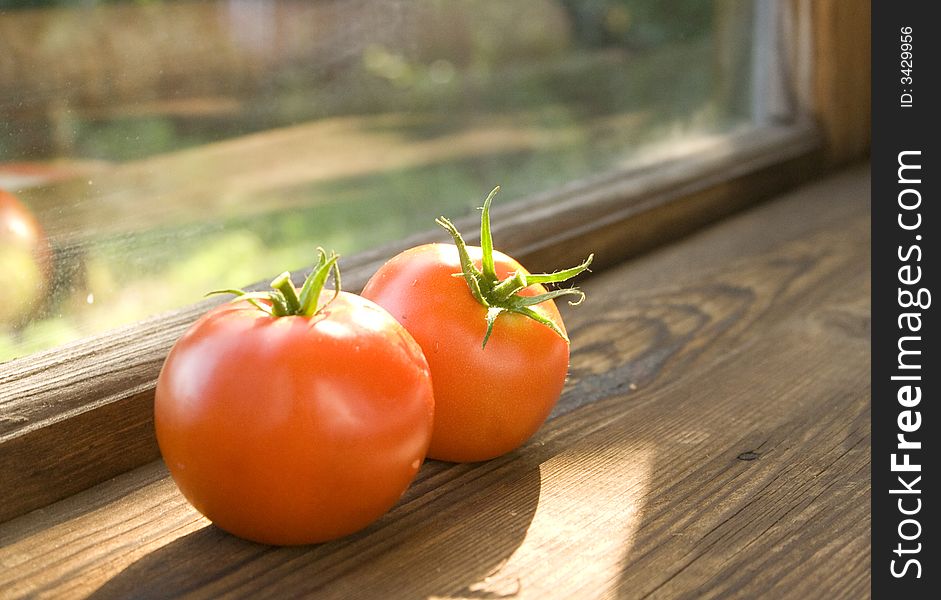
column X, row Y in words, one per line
column 25, row 262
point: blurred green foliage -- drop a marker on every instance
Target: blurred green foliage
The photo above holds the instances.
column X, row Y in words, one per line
column 19, row 4
column 638, row 58
column 638, row 23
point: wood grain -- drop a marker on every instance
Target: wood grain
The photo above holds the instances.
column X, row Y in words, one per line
column 713, row 441
column 46, row 453
column 842, row 72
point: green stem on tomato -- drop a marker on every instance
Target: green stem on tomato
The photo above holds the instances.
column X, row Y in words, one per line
column 489, row 271
column 508, row 287
column 503, row 296
column 313, row 285
column 284, row 298
column 283, row 284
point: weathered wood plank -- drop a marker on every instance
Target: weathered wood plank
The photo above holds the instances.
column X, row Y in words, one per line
column 713, row 441
column 842, row 75
column 614, row 216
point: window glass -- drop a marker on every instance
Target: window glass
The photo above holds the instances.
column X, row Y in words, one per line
column 151, row 151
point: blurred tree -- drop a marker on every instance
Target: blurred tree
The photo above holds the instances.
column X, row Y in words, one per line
column 637, row 24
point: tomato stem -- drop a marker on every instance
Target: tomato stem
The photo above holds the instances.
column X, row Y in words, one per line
column 290, row 303
column 313, row 285
column 284, row 300
column 503, row 296
column 509, row 286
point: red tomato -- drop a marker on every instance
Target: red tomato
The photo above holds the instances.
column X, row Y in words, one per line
column 489, row 399
column 25, row 260
column 294, row 429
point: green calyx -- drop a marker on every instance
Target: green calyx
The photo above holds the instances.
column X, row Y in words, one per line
column 503, row 296
column 286, row 300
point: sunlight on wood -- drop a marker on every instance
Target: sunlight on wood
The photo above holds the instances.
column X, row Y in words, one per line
column 576, row 517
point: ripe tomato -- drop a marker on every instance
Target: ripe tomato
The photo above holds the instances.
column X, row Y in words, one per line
column 286, row 426
column 494, row 340
column 25, row 261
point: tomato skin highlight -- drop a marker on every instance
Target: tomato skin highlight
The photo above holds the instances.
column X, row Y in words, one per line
column 294, row 430
column 488, row 400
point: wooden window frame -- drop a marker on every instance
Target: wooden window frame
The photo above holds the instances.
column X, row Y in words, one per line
column 79, row 414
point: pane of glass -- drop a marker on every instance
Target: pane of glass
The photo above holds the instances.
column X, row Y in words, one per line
column 156, row 150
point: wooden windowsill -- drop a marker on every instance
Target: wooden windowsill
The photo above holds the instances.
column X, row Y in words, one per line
column 76, row 415
column 713, row 439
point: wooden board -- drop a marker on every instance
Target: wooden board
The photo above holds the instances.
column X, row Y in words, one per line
column 713, row 441
column 842, row 75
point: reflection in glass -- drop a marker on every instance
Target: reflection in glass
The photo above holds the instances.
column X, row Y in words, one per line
column 169, row 148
